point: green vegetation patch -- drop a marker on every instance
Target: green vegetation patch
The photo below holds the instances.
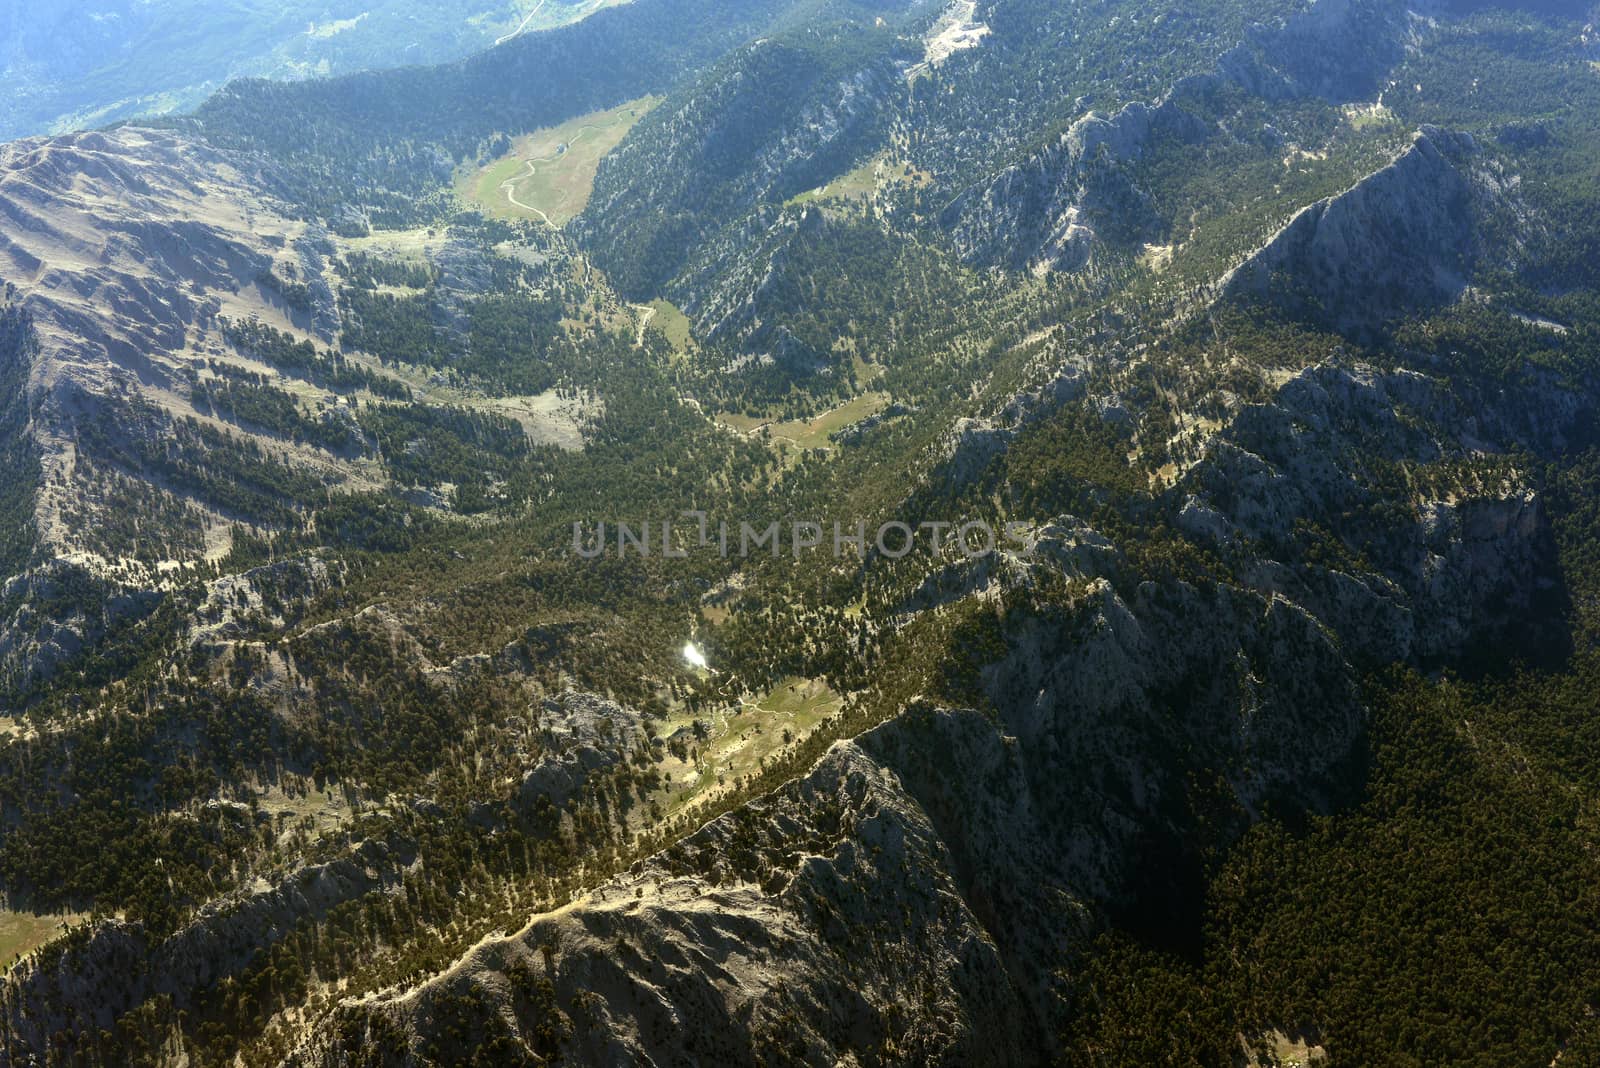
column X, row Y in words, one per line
column 861, row 183
column 709, row 750
column 549, row 174
column 809, row 433
column 23, row 932
column 670, row 320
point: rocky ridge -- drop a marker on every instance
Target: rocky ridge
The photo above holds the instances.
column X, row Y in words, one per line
column 1401, row 239
column 1077, row 201
column 954, row 854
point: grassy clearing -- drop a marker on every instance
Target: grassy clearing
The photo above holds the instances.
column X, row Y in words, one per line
column 549, row 174
column 860, row 184
column 736, row 740
column 24, row 932
column 319, row 811
column 410, row 246
column 809, row 433
column 673, row 323
column 744, row 424
column 1367, row 116
column 817, row 433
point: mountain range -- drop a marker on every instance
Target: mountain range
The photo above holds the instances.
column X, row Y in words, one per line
column 1267, row 335
column 67, row 64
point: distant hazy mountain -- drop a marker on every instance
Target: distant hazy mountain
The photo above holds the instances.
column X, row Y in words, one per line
column 67, row 64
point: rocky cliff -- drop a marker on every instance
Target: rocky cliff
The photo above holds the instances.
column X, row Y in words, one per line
column 1047, row 213
column 1401, row 239
column 1083, row 196
column 913, row 897
column 1458, row 571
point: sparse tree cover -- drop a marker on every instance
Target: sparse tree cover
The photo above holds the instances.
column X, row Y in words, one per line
column 1280, row 730
column 300, row 359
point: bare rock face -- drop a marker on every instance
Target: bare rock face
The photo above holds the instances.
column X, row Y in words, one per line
column 918, row 891
column 1044, row 214
column 1104, row 704
column 968, row 447
column 1487, row 565
column 1399, row 240
column 1444, row 574
column 816, row 921
column 1056, row 376
column 1339, row 50
column 581, row 734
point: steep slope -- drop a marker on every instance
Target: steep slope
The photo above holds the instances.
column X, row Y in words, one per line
column 387, row 141
column 1087, row 193
column 89, row 983
column 19, row 455
column 345, row 751
column 1043, row 214
column 822, row 922
column 1401, row 239
column 121, row 252
column 201, row 369
column 969, row 853
column 773, row 119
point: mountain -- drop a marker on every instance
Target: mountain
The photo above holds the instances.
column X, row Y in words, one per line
column 999, row 533
column 83, row 63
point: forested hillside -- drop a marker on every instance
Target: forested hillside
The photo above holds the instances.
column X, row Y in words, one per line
column 1008, row 533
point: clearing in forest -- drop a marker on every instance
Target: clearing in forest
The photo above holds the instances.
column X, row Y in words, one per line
column 732, row 742
column 23, row 932
column 813, row 433
column 880, row 172
column 549, row 173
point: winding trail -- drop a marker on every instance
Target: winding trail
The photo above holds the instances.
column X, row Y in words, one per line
column 646, row 313
column 517, row 32
column 509, row 186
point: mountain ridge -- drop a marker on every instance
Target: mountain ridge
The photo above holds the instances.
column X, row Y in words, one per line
column 1280, row 384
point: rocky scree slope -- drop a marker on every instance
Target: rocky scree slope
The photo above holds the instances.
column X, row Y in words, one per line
column 123, row 250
